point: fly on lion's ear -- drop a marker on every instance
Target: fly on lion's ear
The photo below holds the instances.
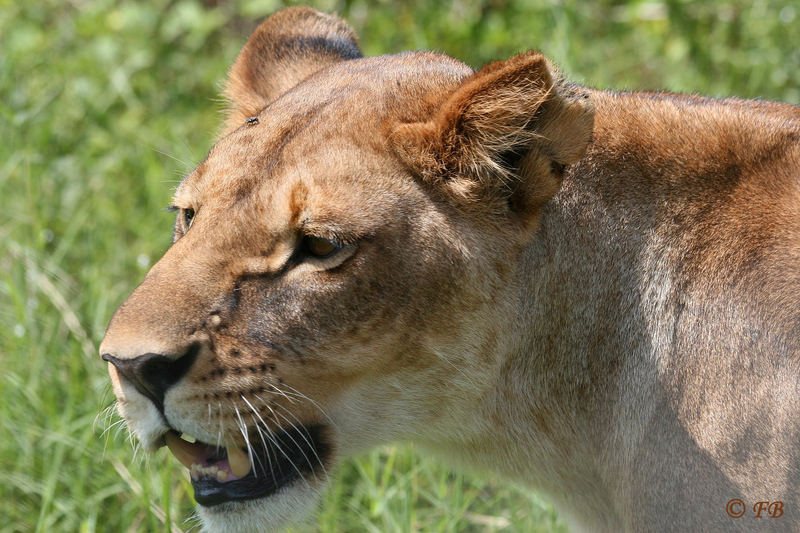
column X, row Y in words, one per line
column 251, row 121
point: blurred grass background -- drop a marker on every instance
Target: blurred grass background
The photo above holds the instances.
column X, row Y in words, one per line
column 104, row 105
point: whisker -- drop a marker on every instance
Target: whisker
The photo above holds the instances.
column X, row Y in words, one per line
column 245, row 434
column 174, row 158
column 315, row 404
column 260, row 434
column 105, row 415
column 194, row 521
column 282, row 393
column 302, row 431
column 294, row 427
column 118, row 425
column 137, row 447
column 266, row 449
column 278, row 446
column 220, row 429
column 307, row 441
column 270, row 435
column 121, row 428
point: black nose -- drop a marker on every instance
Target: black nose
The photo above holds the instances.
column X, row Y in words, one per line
column 152, row 374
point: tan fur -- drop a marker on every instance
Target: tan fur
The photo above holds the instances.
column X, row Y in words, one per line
column 287, row 48
column 593, row 293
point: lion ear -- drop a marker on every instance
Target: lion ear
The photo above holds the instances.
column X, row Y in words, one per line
column 507, row 131
column 285, row 49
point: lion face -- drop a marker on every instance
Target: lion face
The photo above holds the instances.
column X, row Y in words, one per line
column 340, row 265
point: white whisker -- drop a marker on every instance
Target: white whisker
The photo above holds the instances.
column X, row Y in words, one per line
column 312, row 402
column 220, row 429
column 118, row 425
column 137, row 447
column 261, row 435
column 278, row 447
column 281, row 392
column 245, row 434
column 300, row 430
column 194, row 521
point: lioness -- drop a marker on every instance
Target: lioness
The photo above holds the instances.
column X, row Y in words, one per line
column 593, row 293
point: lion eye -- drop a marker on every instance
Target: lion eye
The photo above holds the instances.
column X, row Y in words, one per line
column 319, row 246
column 188, row 216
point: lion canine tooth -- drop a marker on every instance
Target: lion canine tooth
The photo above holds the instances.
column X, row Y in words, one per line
column 240, row 463
column 182, row 450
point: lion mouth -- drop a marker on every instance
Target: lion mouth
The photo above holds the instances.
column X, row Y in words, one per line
column 222, row 474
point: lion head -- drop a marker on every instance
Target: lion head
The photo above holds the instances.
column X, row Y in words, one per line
column 339, row 275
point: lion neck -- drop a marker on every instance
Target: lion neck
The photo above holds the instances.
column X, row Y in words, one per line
column 600, row 290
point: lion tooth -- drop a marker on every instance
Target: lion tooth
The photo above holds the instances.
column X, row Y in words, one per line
column 222, row 475
column 239, row 461
column 182, row 450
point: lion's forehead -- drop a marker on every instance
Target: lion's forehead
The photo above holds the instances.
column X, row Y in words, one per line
column 342, row 177
column 329, row 133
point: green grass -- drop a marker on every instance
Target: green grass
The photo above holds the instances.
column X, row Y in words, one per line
column 104, row 105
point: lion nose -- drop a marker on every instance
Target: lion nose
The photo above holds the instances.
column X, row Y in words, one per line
column 152, row 374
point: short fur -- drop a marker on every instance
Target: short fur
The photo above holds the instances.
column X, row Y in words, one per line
column 594, row 293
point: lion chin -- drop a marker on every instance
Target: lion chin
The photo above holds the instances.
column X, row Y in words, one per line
column 291, row 504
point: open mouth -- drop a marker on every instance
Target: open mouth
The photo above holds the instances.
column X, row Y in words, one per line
column 222, row 475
